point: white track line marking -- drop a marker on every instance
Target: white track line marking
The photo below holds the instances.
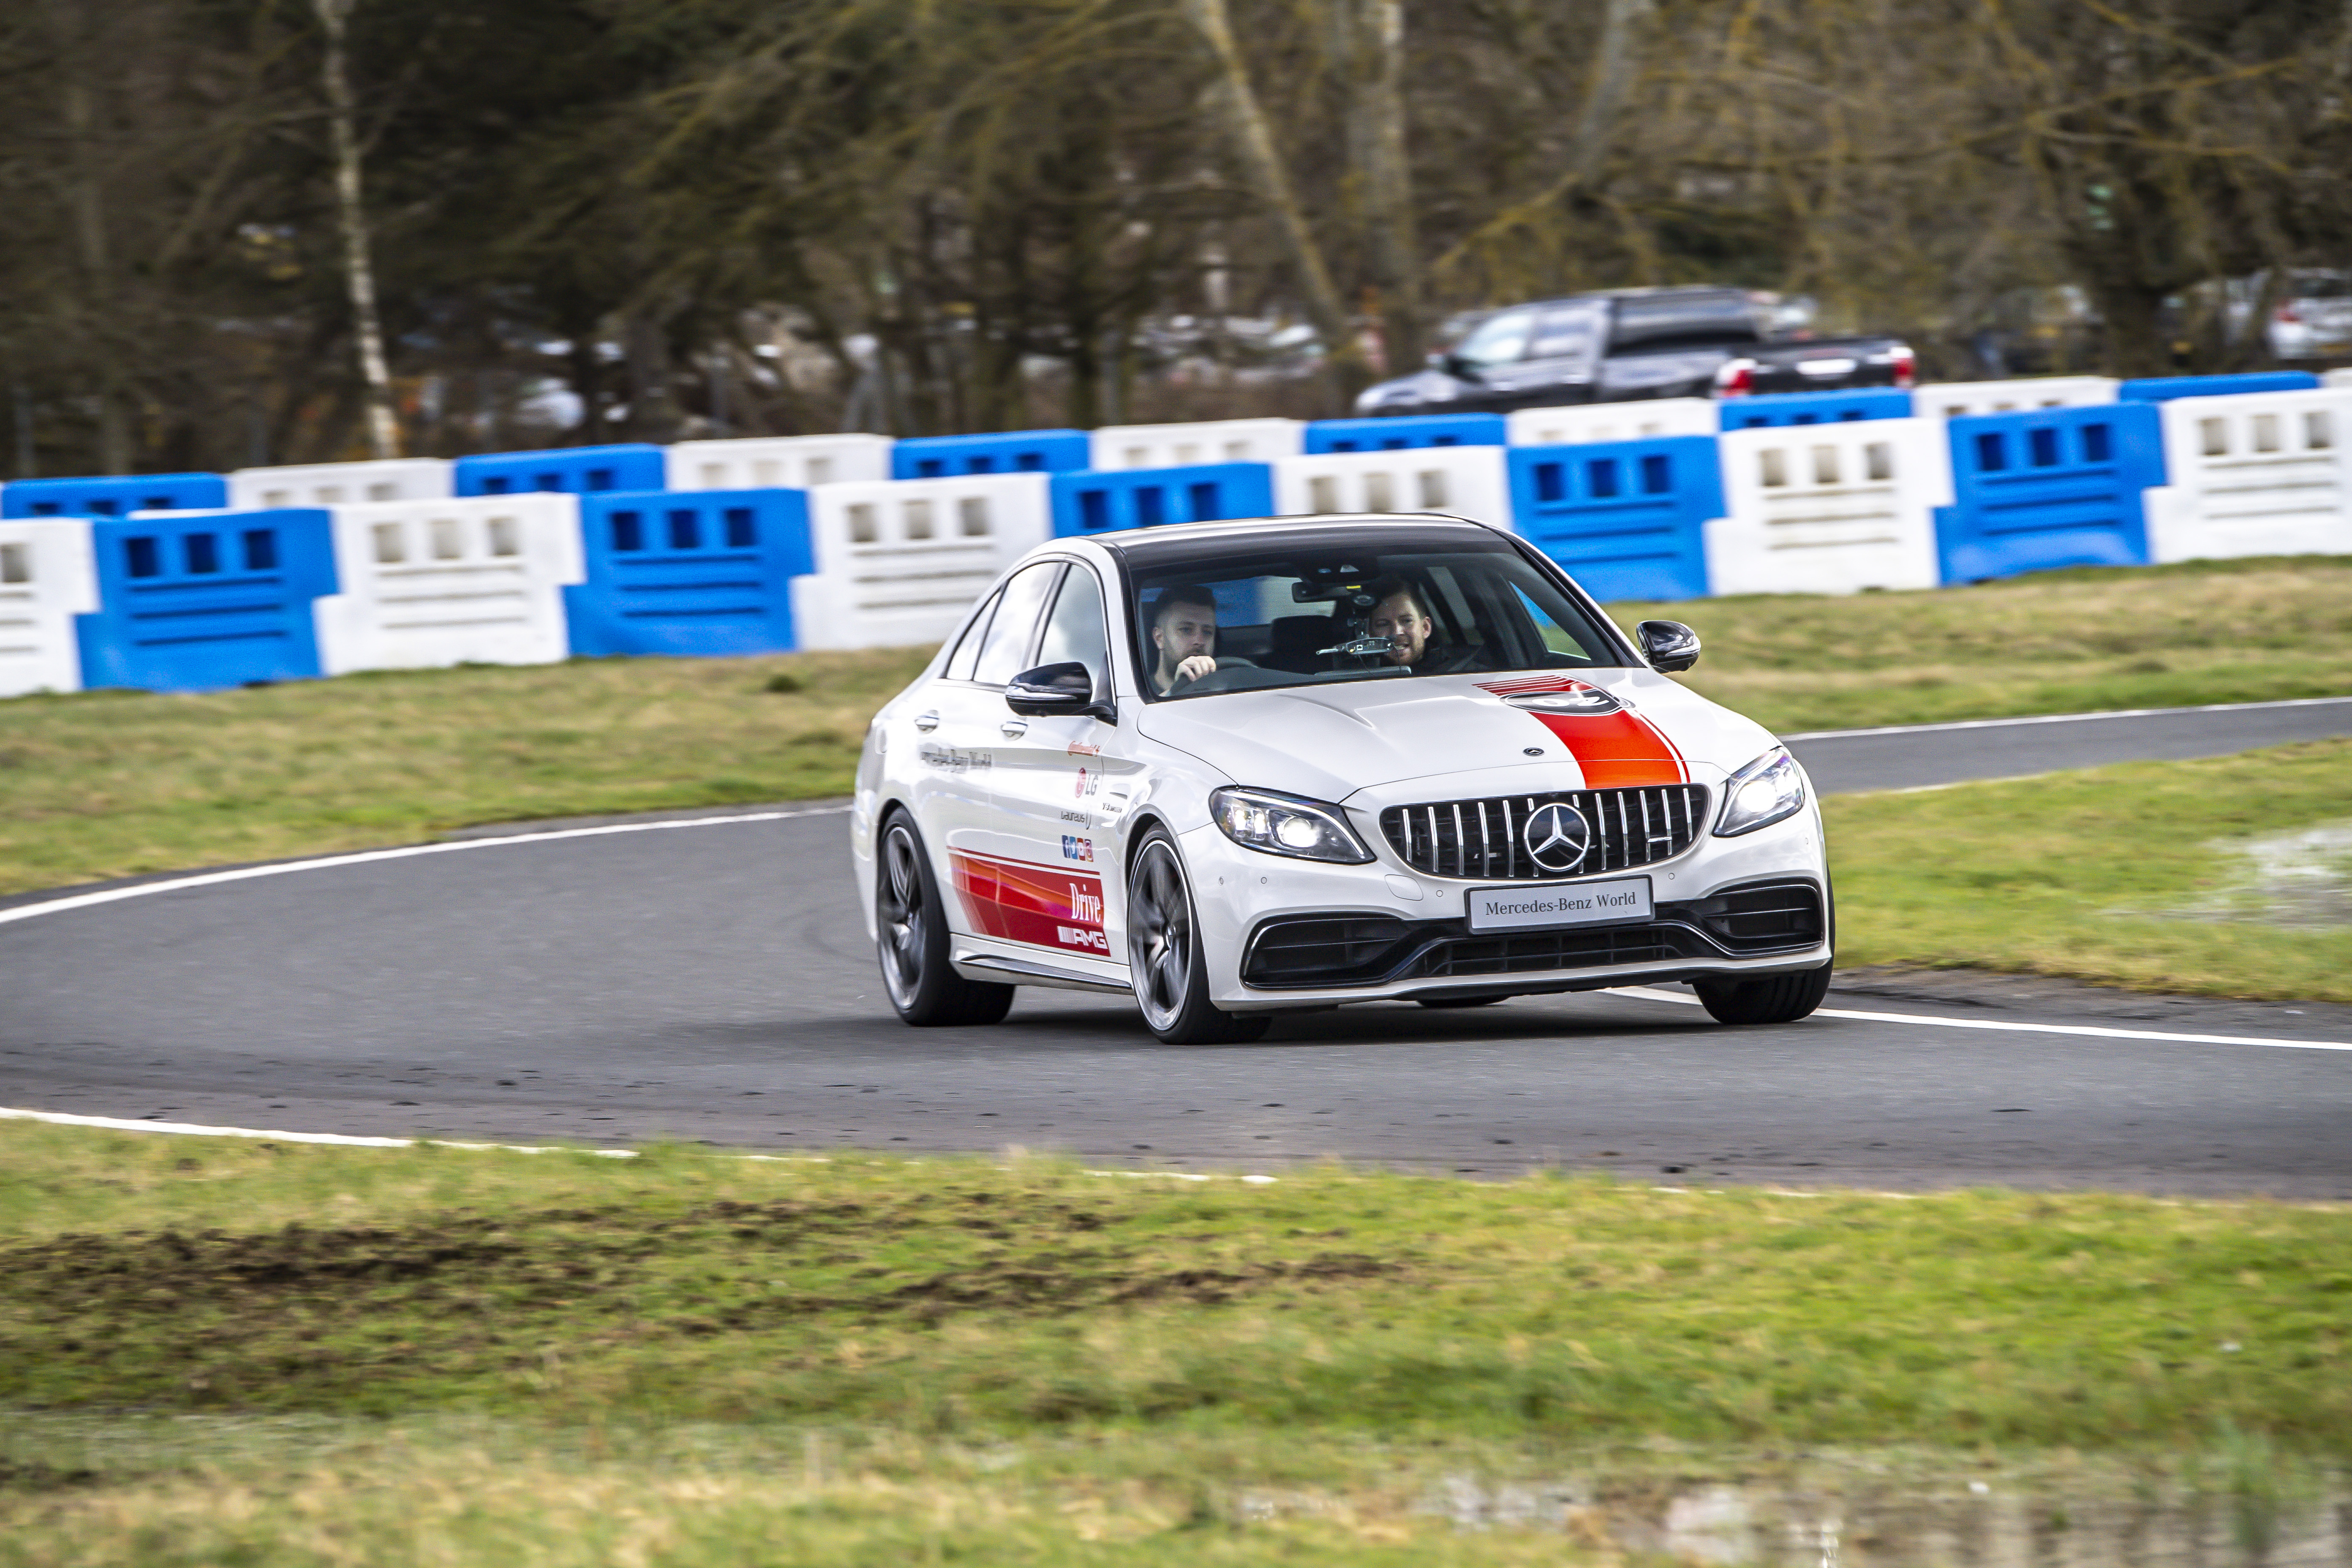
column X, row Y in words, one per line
column 348, row 1140
column 369, row 856
column 357, row 1141
column 1650, row 994
column 2063, row 718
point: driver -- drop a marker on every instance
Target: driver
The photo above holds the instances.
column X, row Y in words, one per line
column 1184, row 631
column 1400, row 617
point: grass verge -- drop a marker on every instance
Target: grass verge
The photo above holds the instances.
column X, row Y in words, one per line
column 1006, row 1359
column 107, row 784
column 2124, row 875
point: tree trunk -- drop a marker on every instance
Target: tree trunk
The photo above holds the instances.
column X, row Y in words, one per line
column 87, row 203
column 2135, row 342
column 1262, row 168
column 1613, row 77
column 359, row 271
column 653, row 413
column 1367, row 54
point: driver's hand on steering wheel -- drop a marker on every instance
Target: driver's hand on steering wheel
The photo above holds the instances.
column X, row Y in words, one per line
column 1192, row 668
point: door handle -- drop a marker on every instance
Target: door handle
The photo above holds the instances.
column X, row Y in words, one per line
column 926, row 722
column 1013, row 728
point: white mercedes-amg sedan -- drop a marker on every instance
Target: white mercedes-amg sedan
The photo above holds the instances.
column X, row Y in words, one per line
column 1235, row 768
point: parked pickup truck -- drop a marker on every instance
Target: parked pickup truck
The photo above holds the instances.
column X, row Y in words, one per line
column 1632, row 344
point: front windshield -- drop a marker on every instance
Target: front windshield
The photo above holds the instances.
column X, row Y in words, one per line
column 1242, row 616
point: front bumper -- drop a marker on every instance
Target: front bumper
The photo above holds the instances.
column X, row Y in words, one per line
column 1279, row 934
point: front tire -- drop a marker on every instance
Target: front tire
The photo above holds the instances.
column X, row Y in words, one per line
column 911, row 940
column 1775, row 999
column 1164, row 953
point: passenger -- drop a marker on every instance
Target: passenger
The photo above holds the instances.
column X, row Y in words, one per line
column 1404, row 621
column 1184, row 631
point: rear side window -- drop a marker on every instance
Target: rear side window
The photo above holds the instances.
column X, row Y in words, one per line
column 967, row 653
column 1006, row 651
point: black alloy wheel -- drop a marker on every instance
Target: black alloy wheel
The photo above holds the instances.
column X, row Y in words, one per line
column 911, row 938
column 1164, row 953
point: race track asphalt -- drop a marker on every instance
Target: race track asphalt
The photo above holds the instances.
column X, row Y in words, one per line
column 712, row 982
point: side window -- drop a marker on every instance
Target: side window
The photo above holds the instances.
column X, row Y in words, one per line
column 1004, row 654
column 1499, row 339
column 1566, row 334
column 967, row 652
column 1074, row 634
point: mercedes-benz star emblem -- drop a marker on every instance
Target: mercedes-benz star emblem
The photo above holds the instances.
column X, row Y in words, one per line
column 1557, row 837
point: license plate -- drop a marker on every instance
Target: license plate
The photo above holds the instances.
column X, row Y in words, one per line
column 1825, row 367
column 1616, row 901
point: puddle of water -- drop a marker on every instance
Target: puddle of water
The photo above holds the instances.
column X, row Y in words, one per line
column 1855, row 1519
column 2300, row 879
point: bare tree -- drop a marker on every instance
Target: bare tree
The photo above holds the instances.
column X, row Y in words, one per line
column 350, row 215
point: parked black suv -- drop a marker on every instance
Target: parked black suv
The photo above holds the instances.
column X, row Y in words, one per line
column 1632, row 344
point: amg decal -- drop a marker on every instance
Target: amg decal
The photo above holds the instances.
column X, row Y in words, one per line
column 955, row 759
column 1018, row 902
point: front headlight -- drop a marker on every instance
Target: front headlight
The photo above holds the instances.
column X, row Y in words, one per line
column 1286, row 824
column 1761, row 793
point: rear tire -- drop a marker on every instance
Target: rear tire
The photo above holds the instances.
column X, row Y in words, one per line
column 1164, row 953
column 911, row 938
column 1775, row 999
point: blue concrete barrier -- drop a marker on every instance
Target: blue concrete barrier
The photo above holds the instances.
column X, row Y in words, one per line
column 118, row 496
column 689, row 572
column 1103, row 502
column 577, row 470
column 2045, row 487
column 195, row 603
column 1407, row 431
column 1778, row 408
column 2164, row 388
column 1626, row 519
column 1009, row 452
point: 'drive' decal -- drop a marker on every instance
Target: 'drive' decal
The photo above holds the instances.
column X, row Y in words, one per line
column 1614, row 745
column 1021, row 902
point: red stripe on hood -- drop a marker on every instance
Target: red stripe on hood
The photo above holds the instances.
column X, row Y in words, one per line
column 1617, row 750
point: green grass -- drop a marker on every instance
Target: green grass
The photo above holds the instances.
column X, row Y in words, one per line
column 2055, row 642
column 2100, row 874
column 396, row 1348
column 107, row 784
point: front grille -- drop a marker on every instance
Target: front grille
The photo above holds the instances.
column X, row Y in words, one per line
column 1481, row 839
column 1754, row 920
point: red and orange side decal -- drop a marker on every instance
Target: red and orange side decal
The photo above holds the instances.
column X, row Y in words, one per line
column 1615, row 750
column 1020, row 902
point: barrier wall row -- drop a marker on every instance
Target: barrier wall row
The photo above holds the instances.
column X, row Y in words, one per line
column 1809, row 499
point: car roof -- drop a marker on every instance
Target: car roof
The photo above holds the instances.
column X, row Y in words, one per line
column 1140, row 544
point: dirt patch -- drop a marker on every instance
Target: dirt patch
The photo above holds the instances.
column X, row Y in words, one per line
column 217, row 1317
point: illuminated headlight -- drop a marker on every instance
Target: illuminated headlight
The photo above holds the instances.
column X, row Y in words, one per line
column 1286, row 824
column 1761, row 793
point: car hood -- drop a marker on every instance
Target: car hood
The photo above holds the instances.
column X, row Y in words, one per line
column 1332, row 742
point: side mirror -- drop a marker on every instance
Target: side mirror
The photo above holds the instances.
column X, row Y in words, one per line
column 1052, row 688
column 1457, row 367
column 1669, row 646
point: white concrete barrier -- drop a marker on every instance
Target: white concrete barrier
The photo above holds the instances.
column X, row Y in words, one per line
column 899, row 561
column 47, row 576
column 778, row 462
column 1951, row 399
column 339, row 484
column 475, row 579
column 2336, row 378
column 1830, row 509
column 1462, row 481
column 2261, row 473
column 1183, row 445
column 1638, row 420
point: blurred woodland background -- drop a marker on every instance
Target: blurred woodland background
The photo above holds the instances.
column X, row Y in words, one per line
column 595, row 220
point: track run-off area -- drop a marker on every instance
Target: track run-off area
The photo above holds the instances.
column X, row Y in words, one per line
column 706, row 976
